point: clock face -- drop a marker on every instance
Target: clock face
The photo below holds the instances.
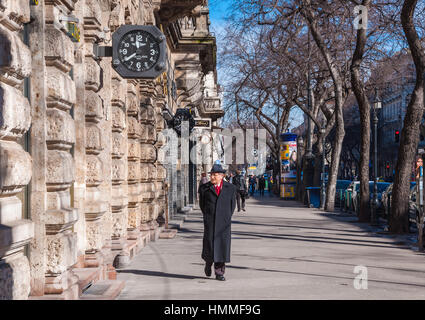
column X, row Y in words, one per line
column 138, row 50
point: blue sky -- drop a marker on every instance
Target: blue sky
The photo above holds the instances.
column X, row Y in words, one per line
column 217, row 11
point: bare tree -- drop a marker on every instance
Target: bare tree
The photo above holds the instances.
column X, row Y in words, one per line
column 399, row 222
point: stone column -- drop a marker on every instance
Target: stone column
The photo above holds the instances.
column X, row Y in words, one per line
column 60, row 215
column 161, row 173
column 15, row 163
column 147, row 164
column 119, row 172
column 135, row 188
column 149, row 157
column 95, row 208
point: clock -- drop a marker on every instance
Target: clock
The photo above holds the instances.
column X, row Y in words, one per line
column 139, row 51
column 181, row 116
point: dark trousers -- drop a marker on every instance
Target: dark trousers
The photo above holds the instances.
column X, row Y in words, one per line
column 219, row 267
column 240, row 196
column 252, row 187
column 261, row 191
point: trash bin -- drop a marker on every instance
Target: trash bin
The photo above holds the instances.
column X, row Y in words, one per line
column 313, row 197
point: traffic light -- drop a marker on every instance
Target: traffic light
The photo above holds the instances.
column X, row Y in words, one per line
column 397, row 136
column 387, row 165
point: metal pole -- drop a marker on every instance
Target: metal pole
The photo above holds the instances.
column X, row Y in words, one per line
column 373, row 218
column 323, row 193
column 279, row 159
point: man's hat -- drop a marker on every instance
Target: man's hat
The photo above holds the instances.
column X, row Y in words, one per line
column 217, row 168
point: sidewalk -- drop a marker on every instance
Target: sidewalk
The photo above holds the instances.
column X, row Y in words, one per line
column 280, row 250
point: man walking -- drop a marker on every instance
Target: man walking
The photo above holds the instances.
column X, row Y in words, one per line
column 241, row 190
column 217, row 202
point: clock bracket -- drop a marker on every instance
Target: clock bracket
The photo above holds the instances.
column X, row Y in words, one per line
column 102, row 51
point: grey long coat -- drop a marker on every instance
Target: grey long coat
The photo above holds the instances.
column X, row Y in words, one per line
column 217, row 211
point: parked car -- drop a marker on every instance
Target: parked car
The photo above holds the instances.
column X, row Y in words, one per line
column 381, row 186
column 386, row 198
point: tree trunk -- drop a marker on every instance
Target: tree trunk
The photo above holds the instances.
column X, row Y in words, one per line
column 318, row 165
column 339, row 102
column 364, row 108
column 336, row 153
column 399, row 222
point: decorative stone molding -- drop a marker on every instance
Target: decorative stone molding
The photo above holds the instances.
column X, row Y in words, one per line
column 118, row 145
column 59, row 170
column 92, row 16
column 15, row 166
column 14, row 235
column 134, row 175
column 60, row 130
column 94, row 141
column 118, row 171
column 92, row 80
column 132, row 106
column 14, row 278
column 118, row 119
column 94, row 176
column 68, row 4
column 60, row 56
column 60, row 254
column 94, row 107
column 147, row 115
column 134, row 128
column 119, row 92
column 148, row 153
column 134, row 150
column 15, row 116
column 14, row 13
column 15, row 58
column 58, row 221
column 60, row 89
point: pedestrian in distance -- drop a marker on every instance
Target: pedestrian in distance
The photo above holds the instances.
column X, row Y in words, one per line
column 252, row 183
column 217, row 202
column 261, row 185
column 239, row 182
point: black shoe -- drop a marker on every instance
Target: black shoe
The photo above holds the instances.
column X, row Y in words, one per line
column 239, row 210
column 207, row 270
column 219, row 277
column 243, row 209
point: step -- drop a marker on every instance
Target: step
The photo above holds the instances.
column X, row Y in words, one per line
column 132, row 248
column 168, row 234
column 103, row 290
column 86, row 276
column 175, row 224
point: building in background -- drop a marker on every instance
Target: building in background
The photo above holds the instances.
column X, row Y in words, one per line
column 82, row 188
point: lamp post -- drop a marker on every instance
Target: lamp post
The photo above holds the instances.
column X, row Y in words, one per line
column 377, row 105
column 323, row 186
column 300, row 154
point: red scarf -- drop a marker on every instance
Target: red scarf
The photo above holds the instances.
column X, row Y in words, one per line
column 218, row 188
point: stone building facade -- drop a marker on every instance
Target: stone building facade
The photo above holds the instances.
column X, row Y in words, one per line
column 81, row 187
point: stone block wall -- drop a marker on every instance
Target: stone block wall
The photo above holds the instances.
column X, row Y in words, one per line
column 81, row 185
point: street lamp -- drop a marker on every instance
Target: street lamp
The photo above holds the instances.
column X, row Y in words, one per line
column 377, row 105
column 323, row 188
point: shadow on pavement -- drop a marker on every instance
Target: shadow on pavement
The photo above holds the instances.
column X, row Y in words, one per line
column 160, row 274
column 397, row 241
